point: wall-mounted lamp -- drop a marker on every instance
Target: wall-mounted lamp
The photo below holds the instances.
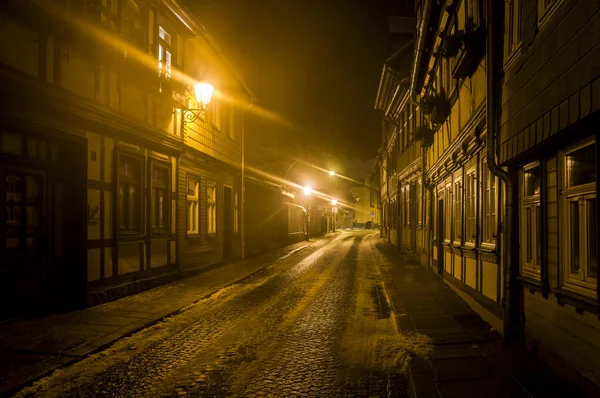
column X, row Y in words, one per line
column 204, row 93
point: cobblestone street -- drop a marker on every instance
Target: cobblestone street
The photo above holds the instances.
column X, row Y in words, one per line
column 316, row 323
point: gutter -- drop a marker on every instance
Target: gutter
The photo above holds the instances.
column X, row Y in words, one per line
column 420, row 45
column 495, row 43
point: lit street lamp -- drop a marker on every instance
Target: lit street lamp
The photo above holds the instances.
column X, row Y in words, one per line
column 331, row 173
column 203, row 93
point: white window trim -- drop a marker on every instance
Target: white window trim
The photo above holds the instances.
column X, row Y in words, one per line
column 530, row 269
column 470, row 207
column 546, row 12
column 211, row 209
column 577, row 282
column 458, row 204
column 193, row 212
column 486, row 195
column 512, row 50
column 449, row 207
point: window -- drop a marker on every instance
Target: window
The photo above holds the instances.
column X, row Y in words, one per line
column 129, row 196
column 448, row 215
column 160, row 199
column 193, row 201
column 165, row 52
column 131, row 23
column 474, row 14
column 579, row 234
column 236, row 213
column 471, row 207
column 109, row 14
column 420, row 203
column 546, row 8
column 406, row 205
column 211, row 207
column 512, row 32
column 488, row 197
column 531, row 220
column 458, row 213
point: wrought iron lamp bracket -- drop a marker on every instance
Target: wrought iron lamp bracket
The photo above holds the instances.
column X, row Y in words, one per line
column 191, row 115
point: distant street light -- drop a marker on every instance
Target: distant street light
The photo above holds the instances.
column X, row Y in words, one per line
column 307, row 190
column 203, row 93
column 331, row 173
column 334, row 202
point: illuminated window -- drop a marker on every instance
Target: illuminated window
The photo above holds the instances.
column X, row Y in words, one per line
column 211, row 207
column 579, row 206
column 130, row 195
column 471, row 206
column 531, row 220
column 448, row 215
column 458, row 211
column 406, row 206
column 488, row 197
column 164, row 53
column 419, row 203
column 160, row 201
column 193, row 201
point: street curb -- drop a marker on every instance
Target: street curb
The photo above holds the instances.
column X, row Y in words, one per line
column 74, row 359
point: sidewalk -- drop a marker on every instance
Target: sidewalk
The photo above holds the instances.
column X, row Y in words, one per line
column 33, row 348
column 469, row 359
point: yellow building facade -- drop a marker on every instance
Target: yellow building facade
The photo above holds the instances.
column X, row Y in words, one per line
column 98, row 160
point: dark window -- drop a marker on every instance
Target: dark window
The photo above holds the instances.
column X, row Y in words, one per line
column 160, row 201
column 130, row 198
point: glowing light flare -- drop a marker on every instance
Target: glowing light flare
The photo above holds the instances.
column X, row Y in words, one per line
column 331, row 172
column 333, row 202
column 204, row 92
column 307, row 190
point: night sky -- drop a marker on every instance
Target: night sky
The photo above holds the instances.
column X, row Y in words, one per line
column 317, row 63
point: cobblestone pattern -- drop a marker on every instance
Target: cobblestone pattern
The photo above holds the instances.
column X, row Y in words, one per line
column 277, row 334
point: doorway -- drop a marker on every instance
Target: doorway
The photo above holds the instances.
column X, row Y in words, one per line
column 42, row 227
column 227, row 222
column 440, row 236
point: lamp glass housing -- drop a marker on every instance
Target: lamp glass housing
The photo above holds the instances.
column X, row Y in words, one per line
column 204, row 92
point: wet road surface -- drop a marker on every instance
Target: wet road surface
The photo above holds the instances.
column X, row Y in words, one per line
column 316, row 323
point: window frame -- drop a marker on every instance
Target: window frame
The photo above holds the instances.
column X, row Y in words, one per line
column 470, row 206
column 545, row 12
column 152, row 184
column 530, row 235
column 211, row 208
column 512, row 33
column 578, row 282
column 164, row 46
column 122, row 213
column 406, row 205
column 449, row 207
column 489, row 191
column 458, row 210
column 194, row 199
column 236, row 211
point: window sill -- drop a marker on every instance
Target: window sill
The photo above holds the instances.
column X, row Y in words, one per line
column 488, row 254
column 534, row 285
column 580, row 302
column 193, row 236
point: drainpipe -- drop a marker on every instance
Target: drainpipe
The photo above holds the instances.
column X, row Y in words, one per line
column 494, row 44
column 243, row 188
